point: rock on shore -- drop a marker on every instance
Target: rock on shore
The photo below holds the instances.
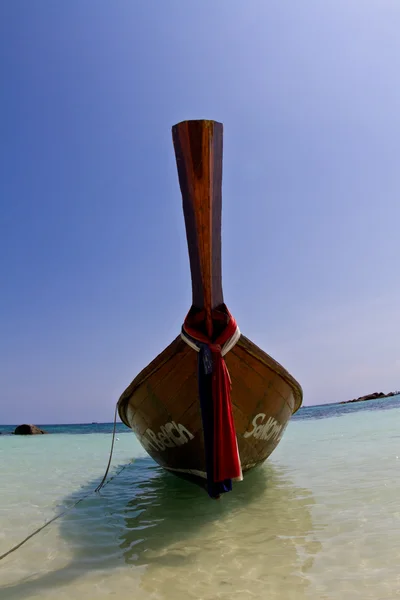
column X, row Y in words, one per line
column 28, row 430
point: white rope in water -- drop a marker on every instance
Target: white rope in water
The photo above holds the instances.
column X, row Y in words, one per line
column 102, row 484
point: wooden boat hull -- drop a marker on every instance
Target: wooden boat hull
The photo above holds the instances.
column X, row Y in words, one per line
column 162, row 406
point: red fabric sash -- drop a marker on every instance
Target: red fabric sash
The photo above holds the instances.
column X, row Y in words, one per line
column 225, row 450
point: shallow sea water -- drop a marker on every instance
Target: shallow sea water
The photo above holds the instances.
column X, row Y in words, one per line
column 320, row 520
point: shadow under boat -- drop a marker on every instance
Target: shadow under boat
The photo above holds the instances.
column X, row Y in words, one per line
column 148, row 517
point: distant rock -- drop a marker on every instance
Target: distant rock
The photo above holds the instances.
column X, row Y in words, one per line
column 373, row 396
column 28, row 430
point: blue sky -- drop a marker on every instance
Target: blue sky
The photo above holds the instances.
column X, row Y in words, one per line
column 94, row 270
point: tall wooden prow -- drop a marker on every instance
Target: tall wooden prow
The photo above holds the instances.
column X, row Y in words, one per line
column 198, row 150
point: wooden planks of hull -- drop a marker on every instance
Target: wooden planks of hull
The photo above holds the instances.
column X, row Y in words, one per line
column 161, row 406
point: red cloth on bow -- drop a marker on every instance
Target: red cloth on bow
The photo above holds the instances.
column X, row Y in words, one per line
column 225, row 450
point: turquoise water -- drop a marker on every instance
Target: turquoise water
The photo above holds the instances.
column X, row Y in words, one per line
column 320, row 520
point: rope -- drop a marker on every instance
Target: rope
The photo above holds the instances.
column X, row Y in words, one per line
column 14, row 548
column 227, row 347
column 39, row 529
column 111, row 451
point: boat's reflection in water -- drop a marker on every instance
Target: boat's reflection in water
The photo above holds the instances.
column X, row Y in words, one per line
column 166, row 513
column 259, row 538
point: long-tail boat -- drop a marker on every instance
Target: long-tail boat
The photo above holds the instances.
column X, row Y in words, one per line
column 212, row 405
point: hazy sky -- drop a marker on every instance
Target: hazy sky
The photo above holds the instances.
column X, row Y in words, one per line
column 94, row 270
